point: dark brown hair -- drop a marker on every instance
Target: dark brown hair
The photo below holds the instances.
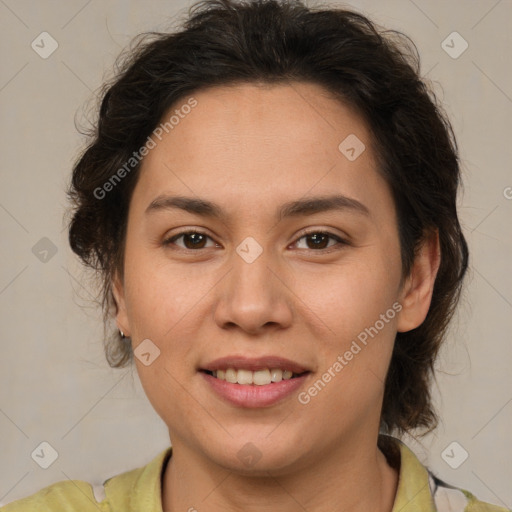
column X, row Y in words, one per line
column 377, row 72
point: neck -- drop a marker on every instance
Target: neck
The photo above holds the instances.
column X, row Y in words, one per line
column 352, row 478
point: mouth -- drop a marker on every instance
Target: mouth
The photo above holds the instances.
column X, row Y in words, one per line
column 245, row 377
column 254, row 383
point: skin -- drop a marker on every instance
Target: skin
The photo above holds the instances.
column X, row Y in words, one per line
column 250, row 148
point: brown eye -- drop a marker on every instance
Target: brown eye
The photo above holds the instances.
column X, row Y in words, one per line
column 315, row 240
column 319, row 240
column 191, row 240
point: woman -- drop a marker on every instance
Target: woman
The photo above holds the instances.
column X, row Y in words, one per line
column 270, row 198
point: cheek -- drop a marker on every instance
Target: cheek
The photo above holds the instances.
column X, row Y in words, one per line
column 338, row 299
column 353, row 294
column 158, row 294
column 361, row 310
column 358, row 304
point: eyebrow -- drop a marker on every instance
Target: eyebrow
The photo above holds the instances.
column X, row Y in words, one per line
column 297, row 208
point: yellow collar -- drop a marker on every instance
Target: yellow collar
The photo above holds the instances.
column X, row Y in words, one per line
column 145, row 490
column 413, row 492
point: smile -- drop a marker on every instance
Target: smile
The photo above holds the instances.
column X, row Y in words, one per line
column 245, row 377
column 261, row 392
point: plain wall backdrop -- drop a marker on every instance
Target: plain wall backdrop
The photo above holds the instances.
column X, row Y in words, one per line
column 55, row 385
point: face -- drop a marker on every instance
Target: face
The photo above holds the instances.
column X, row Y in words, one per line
column 273, row 282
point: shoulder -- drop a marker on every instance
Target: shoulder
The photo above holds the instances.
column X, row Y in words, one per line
column 70, row 495
column 137, row 489
column 419, row 490
column 448, row 498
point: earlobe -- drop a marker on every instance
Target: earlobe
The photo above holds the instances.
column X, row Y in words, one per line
column 418, row 287
column 121, row 316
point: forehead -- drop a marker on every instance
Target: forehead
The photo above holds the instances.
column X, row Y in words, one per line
column 273, row 118
column 267, row 141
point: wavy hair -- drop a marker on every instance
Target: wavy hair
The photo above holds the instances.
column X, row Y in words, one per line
column 375, row 71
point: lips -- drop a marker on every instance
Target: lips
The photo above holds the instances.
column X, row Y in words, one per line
column 254, row 382
column 254, row 364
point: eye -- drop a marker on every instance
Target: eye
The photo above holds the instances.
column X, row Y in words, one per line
column 320, row 239
column 192, row 239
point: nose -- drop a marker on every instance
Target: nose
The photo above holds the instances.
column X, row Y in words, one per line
column 254, row 297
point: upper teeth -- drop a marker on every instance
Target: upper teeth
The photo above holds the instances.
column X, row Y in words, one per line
column 259, row 377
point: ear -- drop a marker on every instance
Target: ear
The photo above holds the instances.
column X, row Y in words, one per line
column 121, row 316
column 416, row 292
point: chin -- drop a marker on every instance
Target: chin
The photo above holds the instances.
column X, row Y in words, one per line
column 258, row 456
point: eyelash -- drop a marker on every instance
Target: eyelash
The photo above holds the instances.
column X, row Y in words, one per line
column 341, row 241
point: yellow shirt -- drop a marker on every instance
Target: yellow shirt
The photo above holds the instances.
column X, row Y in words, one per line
column 139, row 490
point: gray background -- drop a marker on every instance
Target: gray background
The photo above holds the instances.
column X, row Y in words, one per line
column 55, row 385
